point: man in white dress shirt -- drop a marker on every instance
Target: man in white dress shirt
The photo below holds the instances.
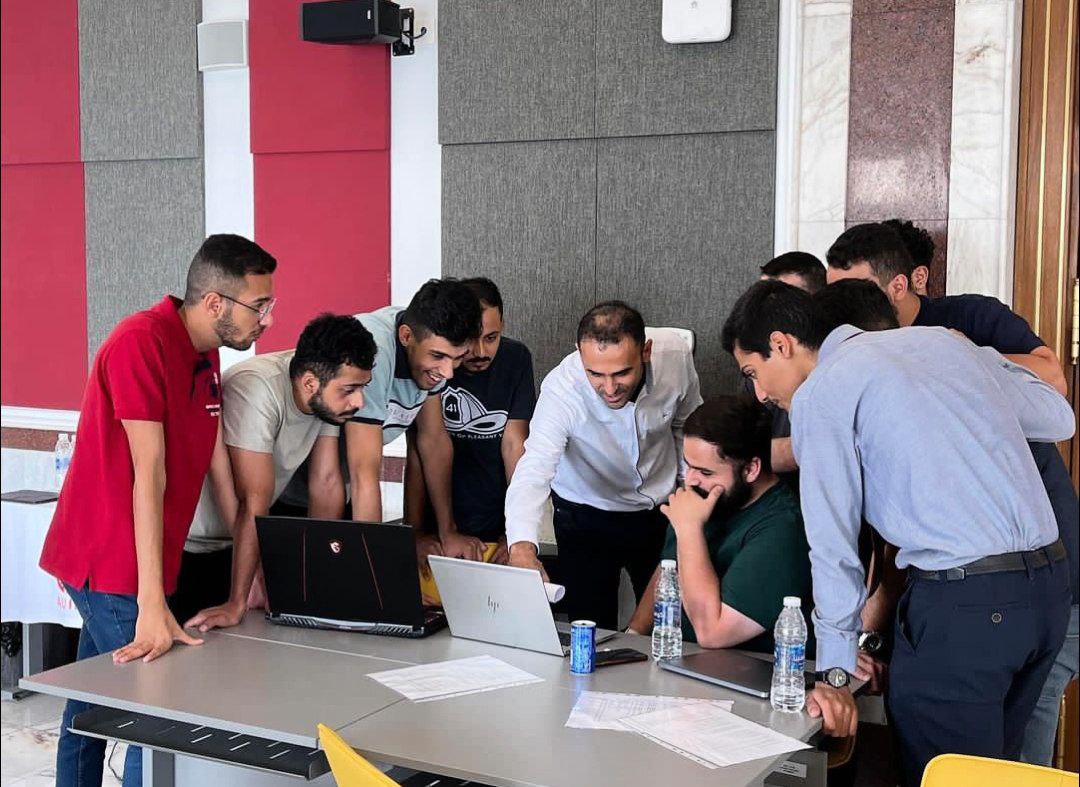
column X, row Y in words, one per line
column 605, row 442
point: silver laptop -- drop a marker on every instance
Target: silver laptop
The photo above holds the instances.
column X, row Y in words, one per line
column 730, row 669
column 502, row 605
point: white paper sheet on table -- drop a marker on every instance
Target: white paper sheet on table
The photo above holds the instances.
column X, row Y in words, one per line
column 712, row 736
column 603, row 710
column 445, row 679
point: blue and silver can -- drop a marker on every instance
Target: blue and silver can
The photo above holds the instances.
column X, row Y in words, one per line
column 582, row 647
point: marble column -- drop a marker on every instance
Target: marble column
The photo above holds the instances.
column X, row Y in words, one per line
column 901, row 115
column 983, row 167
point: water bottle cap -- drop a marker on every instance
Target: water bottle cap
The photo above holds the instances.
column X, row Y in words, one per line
column 667, row 564
column 792, row 601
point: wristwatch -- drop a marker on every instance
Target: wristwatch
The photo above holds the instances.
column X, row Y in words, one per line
column 871, row 642
column 836, row 677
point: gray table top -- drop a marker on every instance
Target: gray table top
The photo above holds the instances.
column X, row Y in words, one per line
column 278, row 682
column 258, row 688
column 507, row 738
column 517, row 737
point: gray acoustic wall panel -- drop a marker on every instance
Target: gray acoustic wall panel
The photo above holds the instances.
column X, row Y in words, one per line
column 683, row 223
column 645, row 85
column 525, row 215
column 140, row 92
column 144, row 221
column 516, row 70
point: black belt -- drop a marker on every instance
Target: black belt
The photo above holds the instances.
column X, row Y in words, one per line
column 997, row 564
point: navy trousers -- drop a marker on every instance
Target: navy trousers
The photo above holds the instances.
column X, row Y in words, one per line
column 595, row 546
column 970, row 661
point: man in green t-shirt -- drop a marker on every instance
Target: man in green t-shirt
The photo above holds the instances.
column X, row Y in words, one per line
column 735, row 530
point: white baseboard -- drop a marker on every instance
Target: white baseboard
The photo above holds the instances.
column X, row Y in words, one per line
column 39, row 418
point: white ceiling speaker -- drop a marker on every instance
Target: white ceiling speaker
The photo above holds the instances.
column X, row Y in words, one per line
column 695, row 21
column 222, row 44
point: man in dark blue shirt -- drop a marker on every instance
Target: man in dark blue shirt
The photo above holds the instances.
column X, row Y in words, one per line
column 877, row 253
column 486, row 409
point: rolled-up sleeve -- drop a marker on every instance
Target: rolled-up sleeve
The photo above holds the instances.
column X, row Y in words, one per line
column 831, row 490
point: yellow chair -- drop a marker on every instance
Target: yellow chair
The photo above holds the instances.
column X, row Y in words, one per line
column 348, row 767
column 962, row 770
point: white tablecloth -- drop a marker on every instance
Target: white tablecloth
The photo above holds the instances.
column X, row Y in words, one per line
column 27, row 593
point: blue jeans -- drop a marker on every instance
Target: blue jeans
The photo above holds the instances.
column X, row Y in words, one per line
column 1038, row 748
column 108, row 624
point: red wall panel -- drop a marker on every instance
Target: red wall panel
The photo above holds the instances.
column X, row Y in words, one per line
column 43, row 224
column 313, row 97
column 43, row 285
column 326, row 218
column 39, row 50
column 320, row 132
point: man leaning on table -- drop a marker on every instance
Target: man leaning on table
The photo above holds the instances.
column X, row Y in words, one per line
column 280, row 411
column 604, row 442
column 419, row 349
column 875, row 253
column 150, row 430
column 985, row 610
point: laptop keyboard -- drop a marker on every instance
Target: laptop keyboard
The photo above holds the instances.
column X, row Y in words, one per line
column 564, row 638
column 380, row 629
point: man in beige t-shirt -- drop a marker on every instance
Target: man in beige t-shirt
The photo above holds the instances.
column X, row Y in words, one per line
column 278, row 410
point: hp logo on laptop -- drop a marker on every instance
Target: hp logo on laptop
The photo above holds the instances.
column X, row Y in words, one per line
column 335, row 547
column 493, row 605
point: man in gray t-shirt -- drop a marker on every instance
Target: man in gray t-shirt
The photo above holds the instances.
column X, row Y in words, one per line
column 278, row 410
column 420, row 347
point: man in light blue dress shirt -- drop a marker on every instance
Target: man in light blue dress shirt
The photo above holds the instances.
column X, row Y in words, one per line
column 923, row 434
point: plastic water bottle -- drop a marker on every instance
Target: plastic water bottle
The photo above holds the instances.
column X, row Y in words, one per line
column 789, row 658
column 62, row 454
column 667, row 614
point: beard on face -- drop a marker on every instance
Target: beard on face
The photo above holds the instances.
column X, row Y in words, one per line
column 322, row 411
column 735, row 498
column 229, row 333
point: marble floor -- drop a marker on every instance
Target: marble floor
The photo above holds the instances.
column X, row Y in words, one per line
column 31, row 727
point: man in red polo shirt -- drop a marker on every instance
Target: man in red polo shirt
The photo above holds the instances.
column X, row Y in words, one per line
column 149, row 427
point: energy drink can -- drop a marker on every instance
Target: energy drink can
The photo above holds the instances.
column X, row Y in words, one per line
column 582, row 647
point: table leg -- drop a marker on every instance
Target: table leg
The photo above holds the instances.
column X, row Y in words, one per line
column 159, row 768
column 33, row 648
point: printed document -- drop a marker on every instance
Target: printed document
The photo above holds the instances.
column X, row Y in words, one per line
column 454, row 678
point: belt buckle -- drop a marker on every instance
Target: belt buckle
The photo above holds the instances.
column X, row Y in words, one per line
column 954, row 574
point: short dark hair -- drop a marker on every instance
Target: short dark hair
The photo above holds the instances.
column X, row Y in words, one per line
column 221, row 262
column 918, row 242
column 446, row 308
column 609, row 321
column 330, row 341
column 800, row 263
column 772, row 305
column 739, row 426
column 485, row 289
column 857, row 302
column 877, row 244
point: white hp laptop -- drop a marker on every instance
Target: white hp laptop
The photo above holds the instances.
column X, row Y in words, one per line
column 502, row 605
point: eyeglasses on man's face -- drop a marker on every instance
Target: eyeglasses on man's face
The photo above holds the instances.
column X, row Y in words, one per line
column 263, row 311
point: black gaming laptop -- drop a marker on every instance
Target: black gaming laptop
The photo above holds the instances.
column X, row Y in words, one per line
column 348, row 576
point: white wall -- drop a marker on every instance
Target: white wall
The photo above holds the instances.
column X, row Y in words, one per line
column 415, row 162
column 228, row 166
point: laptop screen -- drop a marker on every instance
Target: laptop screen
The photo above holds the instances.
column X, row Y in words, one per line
column 356, row 571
